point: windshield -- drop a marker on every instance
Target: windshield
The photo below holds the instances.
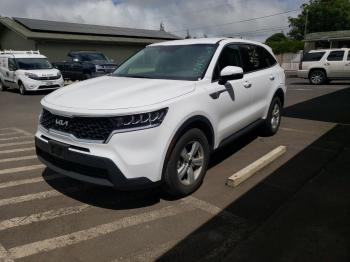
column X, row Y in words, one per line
column 33, row 63
column 87, row 57
column 181, row 62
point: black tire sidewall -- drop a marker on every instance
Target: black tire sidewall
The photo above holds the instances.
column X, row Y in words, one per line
column 323, row 81
column 171, row 182
column 267, row 128
column 21, row 87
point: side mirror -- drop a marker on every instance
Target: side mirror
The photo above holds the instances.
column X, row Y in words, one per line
column 230, row 73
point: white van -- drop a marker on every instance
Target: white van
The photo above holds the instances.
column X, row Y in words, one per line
column 28, row 71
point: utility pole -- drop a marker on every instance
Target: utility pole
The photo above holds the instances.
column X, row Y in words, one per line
column 306, row 23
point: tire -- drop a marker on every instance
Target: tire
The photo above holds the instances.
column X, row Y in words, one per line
column 184, row 171
column 273, row 119
column 317, row 77
column 87, row 76
column 22, row 89
column 2, row 86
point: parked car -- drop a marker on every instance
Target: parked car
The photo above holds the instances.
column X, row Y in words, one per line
column 28, row 71
column 81, row 65
column 159, row 116
column 321, row 66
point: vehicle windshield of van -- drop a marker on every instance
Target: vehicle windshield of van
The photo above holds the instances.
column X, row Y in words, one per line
column 33, row 63
column 87, row 57
column 179, row 62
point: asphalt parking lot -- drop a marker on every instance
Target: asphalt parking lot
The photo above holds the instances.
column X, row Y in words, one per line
column 296, row 209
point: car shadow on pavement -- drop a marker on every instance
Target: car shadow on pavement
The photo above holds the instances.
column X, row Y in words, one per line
column 300, row 212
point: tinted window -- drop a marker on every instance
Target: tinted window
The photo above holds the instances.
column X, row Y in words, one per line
column 33, row 63
column 12, row 64
column 229, row 57
column 336, row 56
column 309, row 57
column 88, row 57
column 255, row 58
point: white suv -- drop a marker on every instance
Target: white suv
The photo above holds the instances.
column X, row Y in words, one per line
column 321, row 66
column 28, row 71
column 158, row 117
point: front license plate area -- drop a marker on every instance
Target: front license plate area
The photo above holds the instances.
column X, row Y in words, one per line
column 58, row 149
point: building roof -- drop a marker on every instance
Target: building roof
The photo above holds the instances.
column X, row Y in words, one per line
column 332, row 35
column 52, row 30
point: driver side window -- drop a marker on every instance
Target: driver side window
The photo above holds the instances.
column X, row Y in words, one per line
column 230, row 56
column 12, row 64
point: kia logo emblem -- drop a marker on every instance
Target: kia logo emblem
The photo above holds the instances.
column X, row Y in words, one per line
column 60, row 122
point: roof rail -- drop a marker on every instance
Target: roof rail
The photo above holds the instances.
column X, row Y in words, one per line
column 13, row 52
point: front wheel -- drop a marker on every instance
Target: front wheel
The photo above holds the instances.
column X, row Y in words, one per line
column 22, row 89
column 187, row 164
column 273, row 119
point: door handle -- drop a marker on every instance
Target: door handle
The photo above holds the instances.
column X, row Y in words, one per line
column 247, row 84
column 327, row 64
column 272, row 77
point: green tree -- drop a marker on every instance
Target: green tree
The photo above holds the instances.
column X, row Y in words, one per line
column 280, row 44
column 323, row 15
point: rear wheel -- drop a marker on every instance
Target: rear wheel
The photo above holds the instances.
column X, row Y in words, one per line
column 22, row 89
column 2, row 86
column 87, row 76
column 317, row 77
column 187, row 164
column 273, row 120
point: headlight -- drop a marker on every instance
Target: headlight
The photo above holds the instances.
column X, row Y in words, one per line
column 59, row 74
column 139, row 121
column 31, row 76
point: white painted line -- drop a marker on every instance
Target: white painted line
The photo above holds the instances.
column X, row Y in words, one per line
column 23, row 131
column 149, row 254
column 44, row 216
column 250, row 170
column 7, row 128
column 4, row 255
column 17, row 150
column 35, row 196
column 20, row 169
column 18, row 143
column 94, row 232
column 29, row 181
column 14, row 138
column 8, row 134
column 12, row 159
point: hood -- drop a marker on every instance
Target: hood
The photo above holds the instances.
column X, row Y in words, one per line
column 110, row 92
column 41, row 72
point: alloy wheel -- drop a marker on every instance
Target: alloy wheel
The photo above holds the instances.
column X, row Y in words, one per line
column 276, row 116
column 190, row 163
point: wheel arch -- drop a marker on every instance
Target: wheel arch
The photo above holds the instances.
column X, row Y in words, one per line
column 317, row 68
column 198, row 121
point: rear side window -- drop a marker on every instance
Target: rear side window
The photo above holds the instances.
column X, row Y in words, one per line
column 311, row 57
column 336, row 56
column 255, row 58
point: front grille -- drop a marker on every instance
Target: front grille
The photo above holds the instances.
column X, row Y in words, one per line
column 49, row 86
column 89, row 128
column 74, row 167
column 47, row 77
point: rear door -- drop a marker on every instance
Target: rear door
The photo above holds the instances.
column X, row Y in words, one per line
column 335, row 62
column 260, row 76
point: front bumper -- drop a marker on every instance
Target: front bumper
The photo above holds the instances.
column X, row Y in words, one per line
column 75, row 162
column 37, row 85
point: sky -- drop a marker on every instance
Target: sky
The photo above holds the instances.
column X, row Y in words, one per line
column 201, row 17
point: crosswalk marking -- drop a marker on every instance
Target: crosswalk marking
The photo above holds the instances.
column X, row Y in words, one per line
column 22, row 131
column 17, row 150
column 94, row 232
column 29, row 181
column 44, row 216
column 20, row 169
column 8, row 134
column 35, row 196
column 17, row 143
column 4, row 255
column 12, row 159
